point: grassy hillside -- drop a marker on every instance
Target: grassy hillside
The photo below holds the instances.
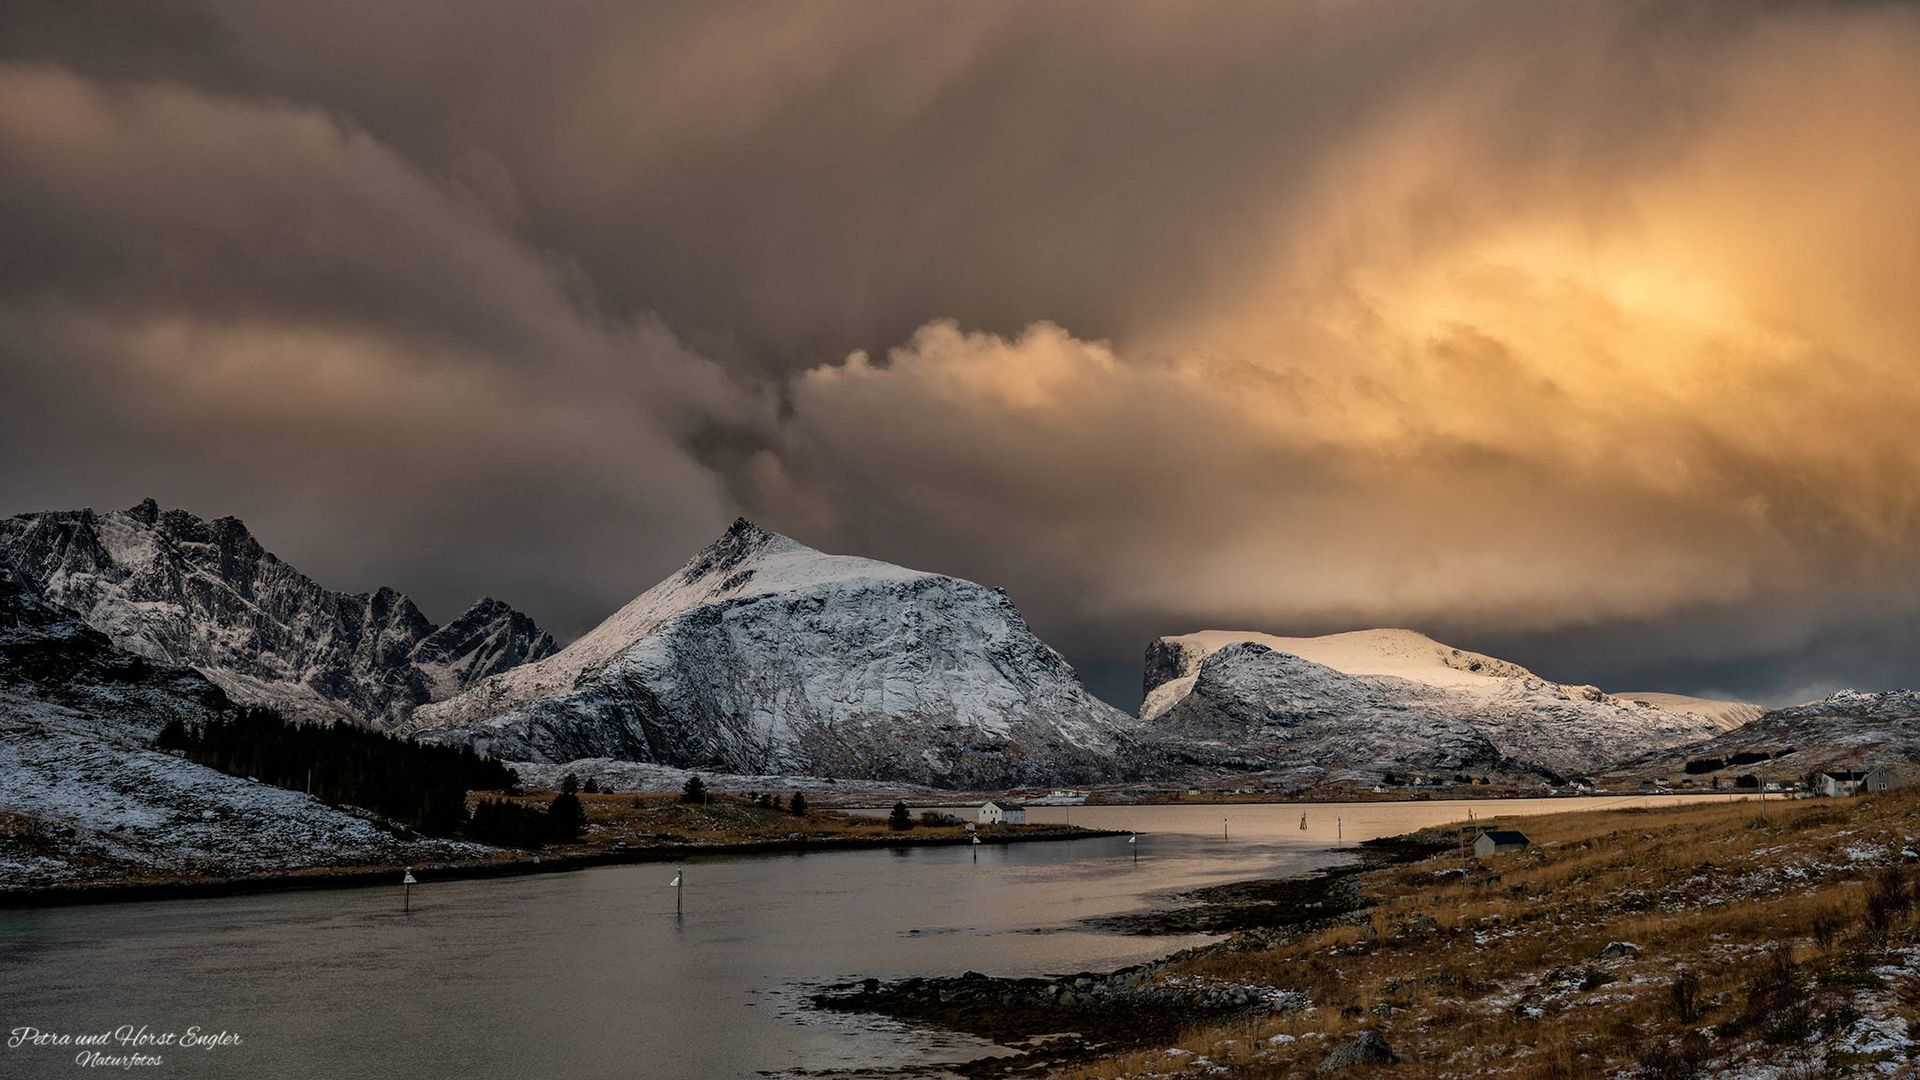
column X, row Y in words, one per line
column 1780, row 946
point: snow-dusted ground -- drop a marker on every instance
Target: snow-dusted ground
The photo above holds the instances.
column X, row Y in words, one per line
column 80, row 803
column 83, row 797
column 764, row 657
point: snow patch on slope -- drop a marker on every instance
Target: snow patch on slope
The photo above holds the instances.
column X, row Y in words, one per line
column 1727, row 714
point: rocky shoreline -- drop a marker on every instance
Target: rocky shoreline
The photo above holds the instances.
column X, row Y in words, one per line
column 1138, row 1005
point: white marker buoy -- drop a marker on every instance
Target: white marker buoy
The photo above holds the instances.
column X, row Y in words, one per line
column 406, row 890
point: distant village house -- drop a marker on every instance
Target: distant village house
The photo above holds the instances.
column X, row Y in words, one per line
column 1002, row 812
column 1499, row 842
column 1840, row 783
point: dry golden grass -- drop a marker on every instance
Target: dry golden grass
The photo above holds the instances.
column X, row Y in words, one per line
column 642, row 820
column 1508, row 980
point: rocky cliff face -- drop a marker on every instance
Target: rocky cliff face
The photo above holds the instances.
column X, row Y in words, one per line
column 174, row 587
column 1388, row 700
column 762, row 655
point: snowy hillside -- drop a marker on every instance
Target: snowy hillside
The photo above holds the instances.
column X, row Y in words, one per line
column 1384, row 700
column 176, row 588
column 1847, row 730
column 764, row 656
column 83, row 796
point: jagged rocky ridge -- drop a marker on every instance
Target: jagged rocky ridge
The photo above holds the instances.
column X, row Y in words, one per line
column 83, row 795
column 762, row 655
column 174, row 587
column 1231, row 701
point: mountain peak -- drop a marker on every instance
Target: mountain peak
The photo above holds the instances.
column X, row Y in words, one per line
column 763, row 655
column 741, row 542
column 147, row 511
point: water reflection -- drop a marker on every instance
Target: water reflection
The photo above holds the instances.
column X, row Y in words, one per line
column 596, row 972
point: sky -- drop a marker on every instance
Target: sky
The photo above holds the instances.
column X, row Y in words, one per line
column 1582, row 334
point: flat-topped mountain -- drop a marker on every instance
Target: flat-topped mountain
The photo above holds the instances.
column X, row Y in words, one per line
column 1374, row 701
column 762, row 655
column 173, row 587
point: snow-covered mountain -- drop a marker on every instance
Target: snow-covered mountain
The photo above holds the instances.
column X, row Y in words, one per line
column 174, row 587
column 83, row 795
column 762, row 655
column 1383, row 700
column 1846, row 730
column 1727, row 714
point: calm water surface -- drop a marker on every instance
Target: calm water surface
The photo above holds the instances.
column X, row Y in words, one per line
column 595, row 973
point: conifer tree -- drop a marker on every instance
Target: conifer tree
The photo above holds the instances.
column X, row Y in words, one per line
column 566, row 818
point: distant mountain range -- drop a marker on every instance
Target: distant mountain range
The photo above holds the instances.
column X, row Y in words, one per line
column 764, row 656
column 177, row 588
column 1846, row 730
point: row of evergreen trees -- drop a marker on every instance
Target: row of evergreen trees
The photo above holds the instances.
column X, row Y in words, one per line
column 504, row 823
column 422, row 787
column 695, row 791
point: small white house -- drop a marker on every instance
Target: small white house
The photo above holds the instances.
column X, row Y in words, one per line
column 1002, row 812
column 1855, row 782
column 1499, row 842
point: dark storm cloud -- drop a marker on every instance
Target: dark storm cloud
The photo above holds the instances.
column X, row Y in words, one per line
column 1583, row 331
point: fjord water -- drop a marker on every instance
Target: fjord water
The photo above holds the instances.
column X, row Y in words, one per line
column 595, row 973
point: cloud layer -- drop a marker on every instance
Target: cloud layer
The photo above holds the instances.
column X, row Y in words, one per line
column 1580, row 332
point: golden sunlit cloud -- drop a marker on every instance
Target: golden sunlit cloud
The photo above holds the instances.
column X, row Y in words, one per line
column 1512, row 322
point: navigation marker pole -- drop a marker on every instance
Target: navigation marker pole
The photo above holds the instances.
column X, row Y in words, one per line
column 1223, row 828
column 679, row 890
column 406, row 891
column 1338, row 834
column 1133, row 842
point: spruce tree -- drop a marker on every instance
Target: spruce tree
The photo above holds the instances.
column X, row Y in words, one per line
column 695, row 791
column 900, row 819
column 566, row 818
column 797, row 805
